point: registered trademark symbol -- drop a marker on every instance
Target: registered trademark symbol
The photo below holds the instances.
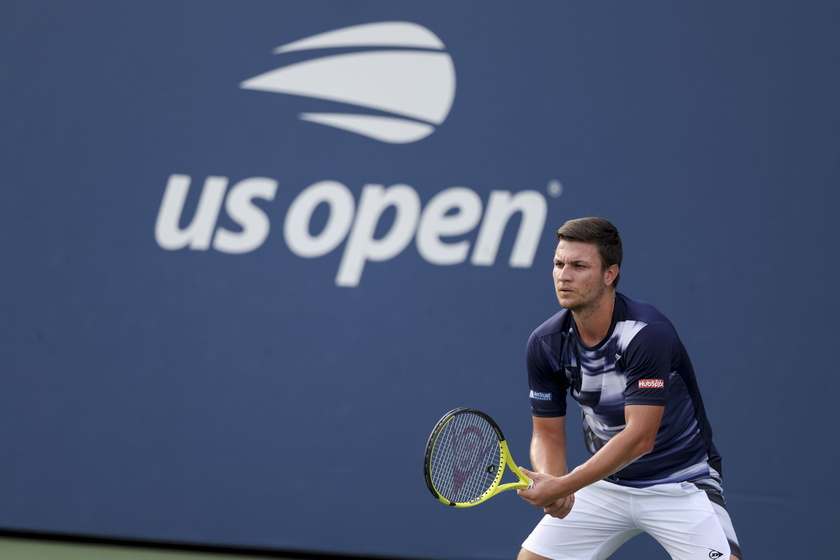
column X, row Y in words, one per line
column 554, row 188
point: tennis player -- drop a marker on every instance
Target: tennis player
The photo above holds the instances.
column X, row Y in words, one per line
column 653, row 467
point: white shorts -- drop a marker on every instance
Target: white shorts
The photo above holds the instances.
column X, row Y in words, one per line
column 680, row 516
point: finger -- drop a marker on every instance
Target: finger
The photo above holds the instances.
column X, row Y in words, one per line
column 561, row 508
column 558, row 513
column 524, row 492
column 566, row 507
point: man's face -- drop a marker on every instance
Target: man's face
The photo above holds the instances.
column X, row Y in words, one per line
column 579, row 277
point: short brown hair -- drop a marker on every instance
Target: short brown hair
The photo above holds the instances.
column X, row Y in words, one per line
column 599, row 232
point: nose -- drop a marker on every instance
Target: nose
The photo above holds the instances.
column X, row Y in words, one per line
column 562, row 273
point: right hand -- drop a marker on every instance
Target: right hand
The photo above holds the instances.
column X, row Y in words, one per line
column 542, row 491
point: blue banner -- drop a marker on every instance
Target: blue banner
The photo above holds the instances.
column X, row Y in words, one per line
column 252, row 251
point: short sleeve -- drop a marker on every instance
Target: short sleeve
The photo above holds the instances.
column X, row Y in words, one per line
column 648, row 364
column 546, row 380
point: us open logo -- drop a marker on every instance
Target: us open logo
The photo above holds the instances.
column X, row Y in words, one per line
column 402, row 84
column 404, row 79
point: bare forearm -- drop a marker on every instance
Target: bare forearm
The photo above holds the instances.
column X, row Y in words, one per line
column 548, row 455
column 548, row 458
column 619, row 452
column 551, row 488
column 637, row 439
column 548, row 446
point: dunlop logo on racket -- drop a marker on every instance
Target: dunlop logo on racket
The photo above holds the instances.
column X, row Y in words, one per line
column 466, row 457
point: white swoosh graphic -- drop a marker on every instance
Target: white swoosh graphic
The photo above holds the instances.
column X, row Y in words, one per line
column 416, row 84
column 393, row 81
column 386, row 129
column 380, row 34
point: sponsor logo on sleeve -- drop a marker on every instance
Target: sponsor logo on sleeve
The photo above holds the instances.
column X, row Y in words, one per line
column 537, row 396
column 651, row 384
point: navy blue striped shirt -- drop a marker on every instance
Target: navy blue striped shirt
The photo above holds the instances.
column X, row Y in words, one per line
column 640, row 361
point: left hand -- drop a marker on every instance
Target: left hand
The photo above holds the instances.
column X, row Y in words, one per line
column 561, row 508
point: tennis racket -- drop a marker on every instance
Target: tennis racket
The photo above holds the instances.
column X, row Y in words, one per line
column 465, row 459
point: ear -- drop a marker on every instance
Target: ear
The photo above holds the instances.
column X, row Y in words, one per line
column 610, row 274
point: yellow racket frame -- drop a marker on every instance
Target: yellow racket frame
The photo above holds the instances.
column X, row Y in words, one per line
column 505, row 459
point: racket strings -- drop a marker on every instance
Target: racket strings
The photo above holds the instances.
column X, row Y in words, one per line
column 466, row 458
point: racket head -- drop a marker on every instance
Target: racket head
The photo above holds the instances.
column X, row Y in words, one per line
column 465, row 458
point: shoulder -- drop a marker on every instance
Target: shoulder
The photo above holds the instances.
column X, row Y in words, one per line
column 547, row 339
column 643, row 323
column 631, row 309
column 557, row 323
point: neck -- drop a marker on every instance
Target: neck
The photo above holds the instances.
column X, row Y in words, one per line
column 593, row 323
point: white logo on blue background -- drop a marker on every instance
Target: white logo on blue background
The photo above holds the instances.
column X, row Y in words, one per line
column 413, row 87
